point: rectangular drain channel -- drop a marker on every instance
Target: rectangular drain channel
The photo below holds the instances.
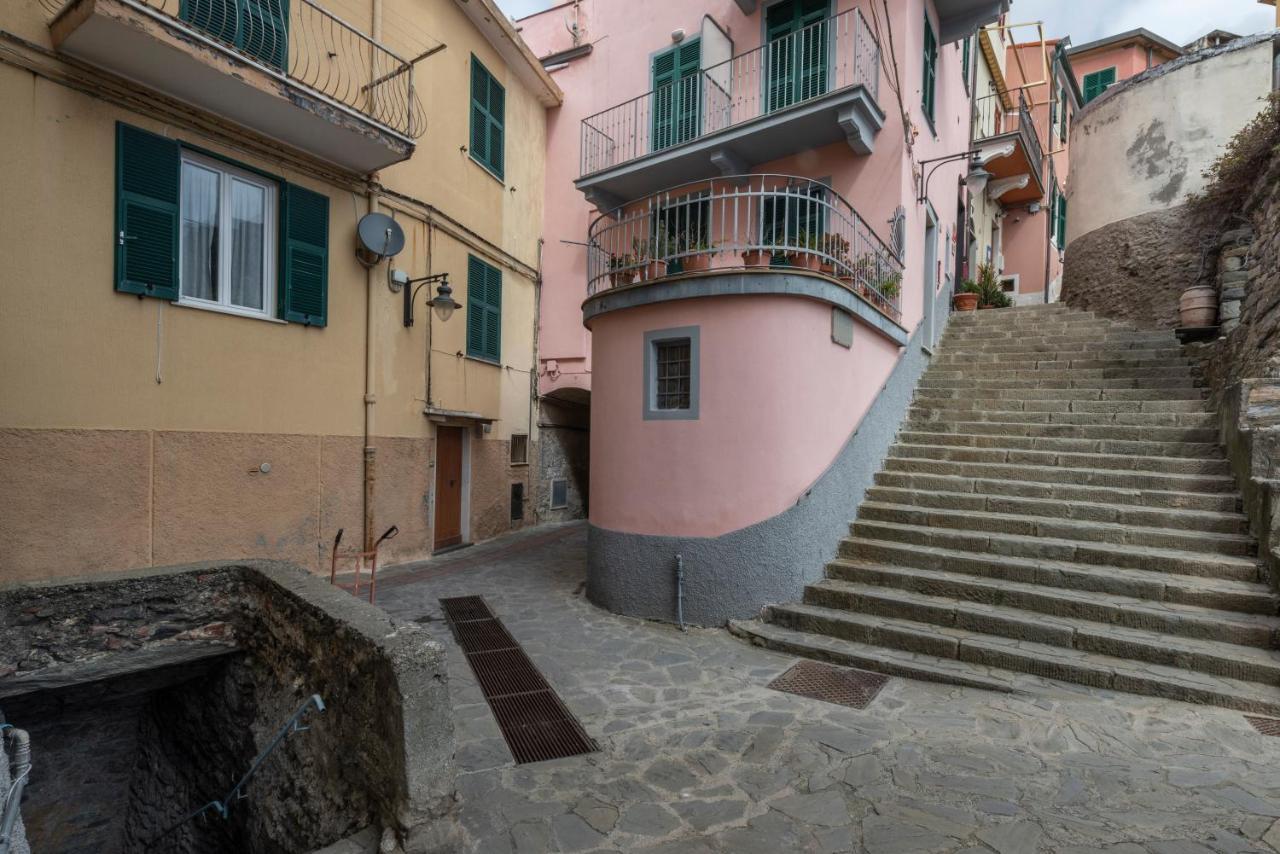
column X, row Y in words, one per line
column 535, row 723
column 831, row 684
column 1266, row 726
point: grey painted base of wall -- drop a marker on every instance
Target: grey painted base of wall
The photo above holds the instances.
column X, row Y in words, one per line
column 733, row 576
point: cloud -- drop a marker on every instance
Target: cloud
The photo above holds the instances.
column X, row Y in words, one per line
column 520, row 8
column 1179, row 21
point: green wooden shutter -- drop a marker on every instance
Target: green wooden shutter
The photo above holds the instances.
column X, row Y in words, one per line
column 929, row 80
column 259, row 28
column 484, row 310
column 1097, row 82
column 797, row 57
column 488, row 119
column 1062, row 221
column 676, row 94
column 148, row 182
column 304, row 244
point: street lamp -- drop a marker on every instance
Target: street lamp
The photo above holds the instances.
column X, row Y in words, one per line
column 443, row 302
column 975, row 180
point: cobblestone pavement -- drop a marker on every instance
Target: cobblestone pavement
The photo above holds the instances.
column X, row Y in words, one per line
column 697, row 755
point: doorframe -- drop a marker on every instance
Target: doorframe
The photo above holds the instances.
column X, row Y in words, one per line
column 930, row 275
column 466, row 486
column 464, row 510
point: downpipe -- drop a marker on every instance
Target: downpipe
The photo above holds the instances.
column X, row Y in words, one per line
column 679, row 594
column 19, row 746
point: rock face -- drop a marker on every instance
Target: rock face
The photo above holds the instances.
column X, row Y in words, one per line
column 1057, row 504
column 1137, row 268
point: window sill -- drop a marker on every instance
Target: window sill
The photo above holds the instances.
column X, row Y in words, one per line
column 490, row 362
column 494, row 175
column 223, row 309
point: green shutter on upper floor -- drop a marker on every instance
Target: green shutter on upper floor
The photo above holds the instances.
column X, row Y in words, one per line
column 304, row 244
column 798, row 51
column 259, row 28
column 675, row 98
column 488, row 119
column 1098, row 82
column 484, row 310
column 148, row 182
column 929, row 78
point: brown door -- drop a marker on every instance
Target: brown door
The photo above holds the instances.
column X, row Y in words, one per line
column 448, row 486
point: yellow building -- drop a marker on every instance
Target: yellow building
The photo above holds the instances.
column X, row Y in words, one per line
column 196, row 364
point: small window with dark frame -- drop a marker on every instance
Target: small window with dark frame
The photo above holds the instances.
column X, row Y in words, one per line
column 673, row 375
column 559, row 494
column 519, row 449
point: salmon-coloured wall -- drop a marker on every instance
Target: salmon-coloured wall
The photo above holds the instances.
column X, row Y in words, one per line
column 618, row 69
column 1128, row 60
column 778, row 400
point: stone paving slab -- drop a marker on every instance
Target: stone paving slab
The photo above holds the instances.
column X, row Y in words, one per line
column 697, row 755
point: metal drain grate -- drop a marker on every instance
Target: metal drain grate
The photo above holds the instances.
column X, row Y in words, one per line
column 1266, row 726
column 535, row 723
column 831, row 684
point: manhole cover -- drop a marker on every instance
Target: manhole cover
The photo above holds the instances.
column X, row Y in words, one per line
column 1266, row 726
column 831, row 684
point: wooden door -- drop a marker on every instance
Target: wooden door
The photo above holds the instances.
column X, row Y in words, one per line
column 448, row 487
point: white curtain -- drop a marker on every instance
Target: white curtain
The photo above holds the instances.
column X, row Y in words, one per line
column 248, row 223
column 199, row 276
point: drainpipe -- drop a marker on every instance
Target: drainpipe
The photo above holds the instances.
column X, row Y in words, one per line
column 680, row 591
column 19, row 768
column 370, row 377
column 535, row 480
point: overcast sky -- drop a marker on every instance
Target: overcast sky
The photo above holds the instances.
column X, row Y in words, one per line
column 1180, row 21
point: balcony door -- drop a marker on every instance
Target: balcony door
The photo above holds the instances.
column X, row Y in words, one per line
column 259, row 28
column 797, row 52
column 676, row 93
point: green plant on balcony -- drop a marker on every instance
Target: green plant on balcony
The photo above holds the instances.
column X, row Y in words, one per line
column 652, row 255
column 835, row 248
column 803, row 250
column 696, row 251
column 622, row 269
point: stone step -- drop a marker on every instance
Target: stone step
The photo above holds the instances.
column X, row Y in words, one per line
column 1029, row 353
column 1081, row 332
column 1258, row 627
column 1148, row 448
column 1112, row 346
column 954, row 373
column 1221, row 502
column 1075, row 530
column 1016, row 456
column 1034, row 383
column 861, row 612
column 1173, row 561
column 1205, row 435
column 1004, row 395
column 1228, row 594
column 1164, row 482
column 1101, row 362
column 1138, row 513
column 999, row 664
column 973, row 403
column 929, row 416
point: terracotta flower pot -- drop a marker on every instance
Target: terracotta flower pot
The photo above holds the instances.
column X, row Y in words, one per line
column 756, row 258
column 622, row 277
column 965, row 302
column 701, row 262
column 1198, row 306
column 828, row 268
column 654, row 270
column 805, row 261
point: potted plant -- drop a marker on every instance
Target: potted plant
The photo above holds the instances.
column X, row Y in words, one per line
column 621, row 269
column 700, row 251
column 990, row 294
column 651, row 255
column 803, row 251
column 836, row 251
column 966, row 298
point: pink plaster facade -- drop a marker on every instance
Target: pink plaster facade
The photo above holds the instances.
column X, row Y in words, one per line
column 779, row 399
column 1128, row 59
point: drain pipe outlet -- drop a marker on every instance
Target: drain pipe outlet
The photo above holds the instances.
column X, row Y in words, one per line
column 20, row 766
column 680, row 591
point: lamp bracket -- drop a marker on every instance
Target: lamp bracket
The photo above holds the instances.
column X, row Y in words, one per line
column 410, row 290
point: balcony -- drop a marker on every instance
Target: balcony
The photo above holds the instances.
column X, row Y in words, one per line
column 817, row 86
column 1012, row 152
column 284, row 68
column 745, row 224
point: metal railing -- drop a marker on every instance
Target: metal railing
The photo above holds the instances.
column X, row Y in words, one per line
column 991, row 119
column 836, row 53
column 305, row 43
column 740, row 222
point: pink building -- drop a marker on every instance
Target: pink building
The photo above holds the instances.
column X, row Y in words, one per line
column 1105, row 62
column 754, row 215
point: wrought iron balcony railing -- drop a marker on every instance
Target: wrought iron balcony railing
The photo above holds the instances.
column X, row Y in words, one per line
column 990, row 119
column 304, row 43
column 833, row 54
column 744, row 222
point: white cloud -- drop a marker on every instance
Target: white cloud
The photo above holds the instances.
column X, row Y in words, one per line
column 520, row 8
column 1179, row 21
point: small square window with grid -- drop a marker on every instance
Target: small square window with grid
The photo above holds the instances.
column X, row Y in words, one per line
column 519, row 449
column 673, row 374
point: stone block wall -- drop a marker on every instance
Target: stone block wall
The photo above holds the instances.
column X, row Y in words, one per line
column 162, row 686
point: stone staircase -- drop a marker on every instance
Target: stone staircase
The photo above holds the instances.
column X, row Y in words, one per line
column 1056, row 505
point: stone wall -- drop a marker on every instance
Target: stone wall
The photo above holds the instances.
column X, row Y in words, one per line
column 192, row 670
column 1137, row 268
column 565, row 454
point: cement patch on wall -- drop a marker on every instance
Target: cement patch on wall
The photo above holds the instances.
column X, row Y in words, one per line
column 733, row 576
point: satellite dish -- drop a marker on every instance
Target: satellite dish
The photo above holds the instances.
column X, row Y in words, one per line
column 378, row 236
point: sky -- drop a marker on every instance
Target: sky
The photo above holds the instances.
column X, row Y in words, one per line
column 1179, row 21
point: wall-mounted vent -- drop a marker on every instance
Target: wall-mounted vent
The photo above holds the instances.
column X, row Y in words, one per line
column 517, row 502
column 519, row 449
column 559, row 494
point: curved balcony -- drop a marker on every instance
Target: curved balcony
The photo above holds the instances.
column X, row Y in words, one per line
column 746, row 224
column 286, row 68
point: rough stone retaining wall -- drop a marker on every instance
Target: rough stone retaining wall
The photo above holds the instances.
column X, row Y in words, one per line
column 245, row 644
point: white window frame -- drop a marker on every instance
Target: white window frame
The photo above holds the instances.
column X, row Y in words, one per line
column 271, row 190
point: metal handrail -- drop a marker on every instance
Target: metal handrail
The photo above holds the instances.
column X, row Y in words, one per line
column 741, row 222
column 990, row 119
column 304, row 43
column 836, row 53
